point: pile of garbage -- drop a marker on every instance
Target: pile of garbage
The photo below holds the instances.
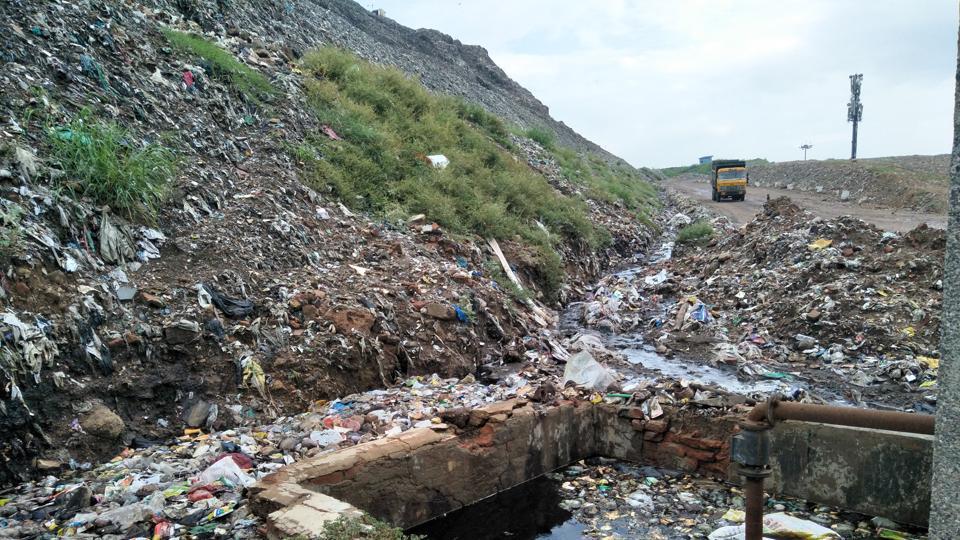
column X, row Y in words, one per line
column 613, row 499
column 251, row 294
column 194, row 485
column 791, row 296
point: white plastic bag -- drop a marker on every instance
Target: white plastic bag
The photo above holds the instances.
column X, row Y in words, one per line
column 779, row 525
column 585, row 371
column 228, row 469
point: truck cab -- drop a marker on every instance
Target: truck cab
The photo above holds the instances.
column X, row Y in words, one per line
column 730, row 179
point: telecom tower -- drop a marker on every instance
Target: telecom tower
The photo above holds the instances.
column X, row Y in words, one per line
column 855, row 110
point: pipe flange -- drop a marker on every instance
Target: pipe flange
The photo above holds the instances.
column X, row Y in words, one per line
column 754, row 472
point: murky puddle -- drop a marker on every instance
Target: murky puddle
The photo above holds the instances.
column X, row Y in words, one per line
column 530, row 510
column 535, row 510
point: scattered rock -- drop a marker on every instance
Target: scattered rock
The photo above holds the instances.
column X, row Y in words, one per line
column 103, row 423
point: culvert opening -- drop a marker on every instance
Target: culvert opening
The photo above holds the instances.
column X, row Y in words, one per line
column 675, row 469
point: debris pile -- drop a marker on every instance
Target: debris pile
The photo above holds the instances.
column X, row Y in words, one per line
column 790, row 296
column 194, row 484
column 250, row 294
column 612, row 499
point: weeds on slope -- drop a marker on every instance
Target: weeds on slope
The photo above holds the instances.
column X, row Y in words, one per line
column 103, row 162
column 223, row 65
column 610, row 183
column 388, row 123
column 698, row 231
column 543, row 136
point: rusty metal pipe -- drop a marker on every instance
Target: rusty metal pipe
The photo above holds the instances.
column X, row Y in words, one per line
column 753, row 501
column 764, row 415
column 843, row 416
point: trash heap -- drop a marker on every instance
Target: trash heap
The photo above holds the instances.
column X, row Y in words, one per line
column 250, row 294
column 614, row 303
column 791, row 296
column 612, row 499
column 194, row 485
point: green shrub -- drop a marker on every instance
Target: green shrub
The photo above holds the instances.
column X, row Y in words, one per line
column 611, row 183
column 695, row 232
column 104, row 163
column 365, row 527
column 223, row 64
column 542, row 136
column 389, row 122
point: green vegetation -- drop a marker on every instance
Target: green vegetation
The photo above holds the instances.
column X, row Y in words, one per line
column 103, row 163
column 543, row 136
column 223, row 65
column 365, row 527
column 493, row 270
column 611, row 183
column 703, row 168
column 389, row 123
column 697, row 231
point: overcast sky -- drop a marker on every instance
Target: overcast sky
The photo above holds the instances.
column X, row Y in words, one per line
column 663, row 82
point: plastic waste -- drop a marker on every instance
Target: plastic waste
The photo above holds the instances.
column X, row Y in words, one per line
column 439, row 161
column 325, row 438
column 234, row 308
column 126, row 516
column 585, row 371
column 656, row 279
column 114, row 247
column 700, row 313
column 229, row 471
column 778, row 525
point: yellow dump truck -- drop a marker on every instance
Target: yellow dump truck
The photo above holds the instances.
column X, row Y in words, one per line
column 730, row 179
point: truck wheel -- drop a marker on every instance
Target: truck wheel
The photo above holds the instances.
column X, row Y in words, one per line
column 713, row 195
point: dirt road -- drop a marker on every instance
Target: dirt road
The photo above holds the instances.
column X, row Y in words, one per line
column 820, row 204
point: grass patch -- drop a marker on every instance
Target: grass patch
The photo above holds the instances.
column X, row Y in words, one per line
column 704, row 168
column 543, row 136
column 102, row 162
column 611, row 183
column 365, row 527
column 222, row 65
column 697, row 231
column 389, row 122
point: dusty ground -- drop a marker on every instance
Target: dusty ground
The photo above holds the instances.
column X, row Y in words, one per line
column 823, row 205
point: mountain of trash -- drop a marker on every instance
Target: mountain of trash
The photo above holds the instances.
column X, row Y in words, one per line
column 168, row 265
column 836, row 303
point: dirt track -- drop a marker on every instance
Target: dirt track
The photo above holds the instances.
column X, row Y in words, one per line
column 742, row 212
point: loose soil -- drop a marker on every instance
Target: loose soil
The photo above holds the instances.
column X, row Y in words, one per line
column 824, row 205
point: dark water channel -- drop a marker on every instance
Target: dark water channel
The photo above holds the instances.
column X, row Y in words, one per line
column 526, row 512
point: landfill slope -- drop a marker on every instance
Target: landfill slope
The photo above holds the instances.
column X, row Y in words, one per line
column 442, row 63
column 249, row 294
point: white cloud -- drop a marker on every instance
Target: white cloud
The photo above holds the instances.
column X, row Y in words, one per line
column 661, row 83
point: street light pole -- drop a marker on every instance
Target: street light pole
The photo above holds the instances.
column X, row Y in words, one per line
column 805, row 147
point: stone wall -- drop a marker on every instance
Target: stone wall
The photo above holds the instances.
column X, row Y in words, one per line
column 427, row 472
